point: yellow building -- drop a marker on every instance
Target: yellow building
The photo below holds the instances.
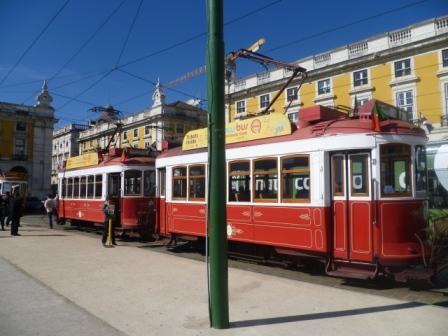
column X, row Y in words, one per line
column 25, row 138
column 407, row 68
column 146, row 129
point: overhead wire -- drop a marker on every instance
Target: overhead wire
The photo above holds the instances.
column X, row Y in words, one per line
column 86, row 42
column 129, row 32
column 52, row 19
column 309, row 37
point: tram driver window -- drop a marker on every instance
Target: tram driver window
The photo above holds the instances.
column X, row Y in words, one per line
column 239, row 181
column 265, row 179
column 149, row 183
column 395, row 170
column 180, row 183
column 70, row 187
column 76, row 187
column 296, row 180
column 421, row 177
column 64, row 187
column 196, row 175
column 90, row 185
column 132, row 182
column 98, row 186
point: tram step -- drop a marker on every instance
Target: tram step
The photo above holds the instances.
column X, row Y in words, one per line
column 351, row 273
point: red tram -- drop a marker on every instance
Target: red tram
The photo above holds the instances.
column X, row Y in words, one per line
column 128, row 176
column 350, row 191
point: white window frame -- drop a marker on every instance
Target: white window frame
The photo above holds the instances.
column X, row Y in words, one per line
column 329, row 86
column 441, row 58
column 24, row 145
column 293, row 101
column 411, row 67
column 243, row 102
column 413, row 95
column 260, row 108
column 367, row 76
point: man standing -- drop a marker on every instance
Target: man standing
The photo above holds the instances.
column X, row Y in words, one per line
column 50, row 207
column 108, row 207
column 16, row 213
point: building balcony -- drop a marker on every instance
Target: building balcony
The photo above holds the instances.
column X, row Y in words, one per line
column 19, row 157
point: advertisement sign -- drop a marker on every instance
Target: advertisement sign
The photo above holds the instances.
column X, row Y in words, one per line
column 255, row 128
column 83, row 160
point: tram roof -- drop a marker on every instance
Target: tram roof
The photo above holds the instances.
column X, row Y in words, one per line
column 331, row 123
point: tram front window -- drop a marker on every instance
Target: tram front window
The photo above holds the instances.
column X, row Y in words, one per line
column 395, row 170
column 149, row 183
column 420, row 169
column 132, row 182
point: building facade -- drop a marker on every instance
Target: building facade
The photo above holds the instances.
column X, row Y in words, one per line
column 407, row 68
column 65, row 145
column 146, row 129
column 25, row 135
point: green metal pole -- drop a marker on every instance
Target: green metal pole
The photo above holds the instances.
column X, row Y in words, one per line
column 219, row 292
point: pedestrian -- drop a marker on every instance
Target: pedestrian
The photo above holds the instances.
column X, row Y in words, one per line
column 108, row 210
column 16, row 213
column 50, row 207
column 8, row 208
column 2, row 212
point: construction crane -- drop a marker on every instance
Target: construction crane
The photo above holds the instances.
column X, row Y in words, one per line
column 251, row 54
column 230, row 61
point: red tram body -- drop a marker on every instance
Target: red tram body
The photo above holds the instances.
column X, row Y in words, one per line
column 350, row 191
column 128, row 176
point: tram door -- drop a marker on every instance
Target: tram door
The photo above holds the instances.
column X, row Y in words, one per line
column 352, row 206
column 161, row 203
column 114, row 189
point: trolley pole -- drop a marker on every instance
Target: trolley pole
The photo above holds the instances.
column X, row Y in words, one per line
column 219, row 296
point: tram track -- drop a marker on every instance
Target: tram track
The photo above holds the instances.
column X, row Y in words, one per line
column 421, row 293
column 416, row 292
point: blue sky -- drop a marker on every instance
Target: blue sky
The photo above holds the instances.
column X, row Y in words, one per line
column 167, row 40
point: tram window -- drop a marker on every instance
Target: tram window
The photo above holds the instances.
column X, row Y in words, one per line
column 359, row 175
column 149, row 183
column 196, row 175
column 265, row 177
column 90, row 185
column 338, row 175
column 239, row 181
column 98, row 186
column 76, row 187
column 296, row 180
column 395, row 170
column 132, row 182
column 70, row 188
column 180, row 182
column 83, row 185
column 421, row 173
column 64, row 187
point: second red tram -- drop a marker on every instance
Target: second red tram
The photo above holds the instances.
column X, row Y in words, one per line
column 128, row 176
column 350, row 191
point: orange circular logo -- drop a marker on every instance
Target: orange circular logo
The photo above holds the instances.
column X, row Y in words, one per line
column 256, row 126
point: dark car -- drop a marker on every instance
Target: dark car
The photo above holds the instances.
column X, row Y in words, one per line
column 34, row 204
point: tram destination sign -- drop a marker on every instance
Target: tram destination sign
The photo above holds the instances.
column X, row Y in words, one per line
column 262, row 127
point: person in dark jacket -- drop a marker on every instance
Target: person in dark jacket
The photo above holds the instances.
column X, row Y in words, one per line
column 3, row 210
column 16, row 213
column 108, row 215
